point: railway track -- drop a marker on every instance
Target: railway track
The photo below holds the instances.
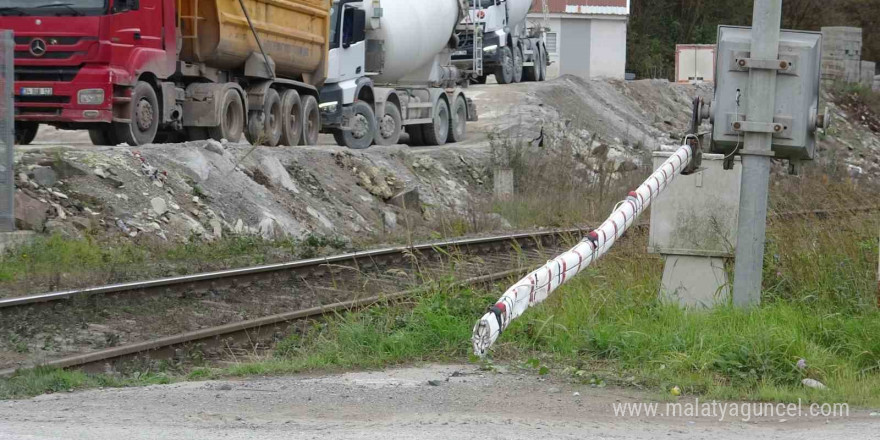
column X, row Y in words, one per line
column 337, row 284
column 332, row 284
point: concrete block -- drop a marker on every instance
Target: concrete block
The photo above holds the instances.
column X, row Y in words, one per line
column 9, row 240
column 866, row 77
column 503, row 179
column 696, row 282
column 877, row 83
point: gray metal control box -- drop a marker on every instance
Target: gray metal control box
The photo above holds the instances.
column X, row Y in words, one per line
column 797, row 92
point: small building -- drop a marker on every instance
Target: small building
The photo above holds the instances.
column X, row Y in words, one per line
column 586, row 38
column 694, row 63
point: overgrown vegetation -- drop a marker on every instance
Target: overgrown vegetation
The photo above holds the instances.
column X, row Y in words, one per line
column 56, row 262
column 655, row 27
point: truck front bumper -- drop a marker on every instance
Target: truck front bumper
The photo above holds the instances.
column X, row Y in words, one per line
column 48, row 96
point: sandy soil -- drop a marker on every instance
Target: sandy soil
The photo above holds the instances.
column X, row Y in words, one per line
column 459, row 402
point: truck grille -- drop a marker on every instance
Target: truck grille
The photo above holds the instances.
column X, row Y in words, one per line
column 26, row 55
column 35, row 73
column 42, row 99
column 52, row 40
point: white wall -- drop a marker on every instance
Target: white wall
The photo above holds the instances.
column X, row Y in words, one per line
column 608, row 48
column 555, row 25
column 593, row 46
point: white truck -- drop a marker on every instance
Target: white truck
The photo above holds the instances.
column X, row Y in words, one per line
column 511, row 47
column 390, row 70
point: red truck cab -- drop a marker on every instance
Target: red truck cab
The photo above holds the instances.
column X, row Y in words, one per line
column 82, row 64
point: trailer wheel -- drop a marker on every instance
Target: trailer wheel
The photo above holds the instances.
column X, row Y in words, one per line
column 504, row 71
column 231, row 119
column 363, row 127
column 517, row 64
column 389, row 126
column 437, row 132
column 458, row 123
column 144, row 116
column 311, row 121
column 103, row 136
column 291, row 121
column 25, row 132
column 415, row 135
column 542, row 67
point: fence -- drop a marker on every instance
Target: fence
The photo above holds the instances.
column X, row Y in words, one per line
column 7, row 133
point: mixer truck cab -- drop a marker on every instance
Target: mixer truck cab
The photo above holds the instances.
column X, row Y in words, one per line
column 390, row 72
column 138, row 71
column 512, row 49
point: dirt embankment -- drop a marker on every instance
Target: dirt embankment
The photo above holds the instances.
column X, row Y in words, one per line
column 208, row 189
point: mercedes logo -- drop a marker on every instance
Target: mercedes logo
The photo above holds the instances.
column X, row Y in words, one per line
column 38, row 47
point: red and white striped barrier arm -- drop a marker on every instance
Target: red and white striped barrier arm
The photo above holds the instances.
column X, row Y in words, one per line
column 538, row 285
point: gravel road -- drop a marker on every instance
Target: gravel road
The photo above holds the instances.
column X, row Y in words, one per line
column 429, row 402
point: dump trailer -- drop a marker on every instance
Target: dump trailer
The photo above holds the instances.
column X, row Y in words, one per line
column 391, row 71
column 511, row 48
column 142, row 71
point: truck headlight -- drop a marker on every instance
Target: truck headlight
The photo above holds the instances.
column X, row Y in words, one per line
column 90, row 96
column 329, row 107
column 491, row 48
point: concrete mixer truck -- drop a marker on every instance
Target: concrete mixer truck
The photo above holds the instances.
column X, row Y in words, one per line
column 511, row 48
column 138, row 71
column 391, row 71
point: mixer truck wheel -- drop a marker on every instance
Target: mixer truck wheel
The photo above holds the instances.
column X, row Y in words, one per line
column 311, row 121
column 25, row 132
column 517, row 64
column 437, row 132
column 291, row 121
column 504, row 71
column 389, row 126
column 363, row 127
column 144, row 116
column 458, row 123
column 231, row 118
column 542, row 68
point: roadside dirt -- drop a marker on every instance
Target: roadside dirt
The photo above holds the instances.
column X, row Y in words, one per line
column 459, row 402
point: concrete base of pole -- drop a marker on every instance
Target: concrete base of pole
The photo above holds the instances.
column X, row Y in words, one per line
column 695, row 282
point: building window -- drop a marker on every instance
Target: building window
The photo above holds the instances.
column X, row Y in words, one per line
column 551, row 42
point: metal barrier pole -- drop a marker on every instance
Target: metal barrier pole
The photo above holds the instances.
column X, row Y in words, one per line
column 757, row 156
column 7, row 133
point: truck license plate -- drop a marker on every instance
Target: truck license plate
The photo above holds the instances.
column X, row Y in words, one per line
column 36, row 91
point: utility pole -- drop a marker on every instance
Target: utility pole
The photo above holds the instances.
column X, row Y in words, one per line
column 756, row 155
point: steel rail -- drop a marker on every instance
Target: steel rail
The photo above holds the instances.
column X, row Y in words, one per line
column 172, row 282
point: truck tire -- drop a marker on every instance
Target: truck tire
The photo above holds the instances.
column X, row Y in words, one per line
column 517, row 64
column 25, row 132
column 264, row 126
column 458, row 122
column 144, row 117
column 415, row 136
column 437, row 132
column 231, row 118
column 504, row 71
column 363, row 127
column 389, row 126
column 311, row 121
column 542, row 68
column 103, row 136
column 291, row 121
